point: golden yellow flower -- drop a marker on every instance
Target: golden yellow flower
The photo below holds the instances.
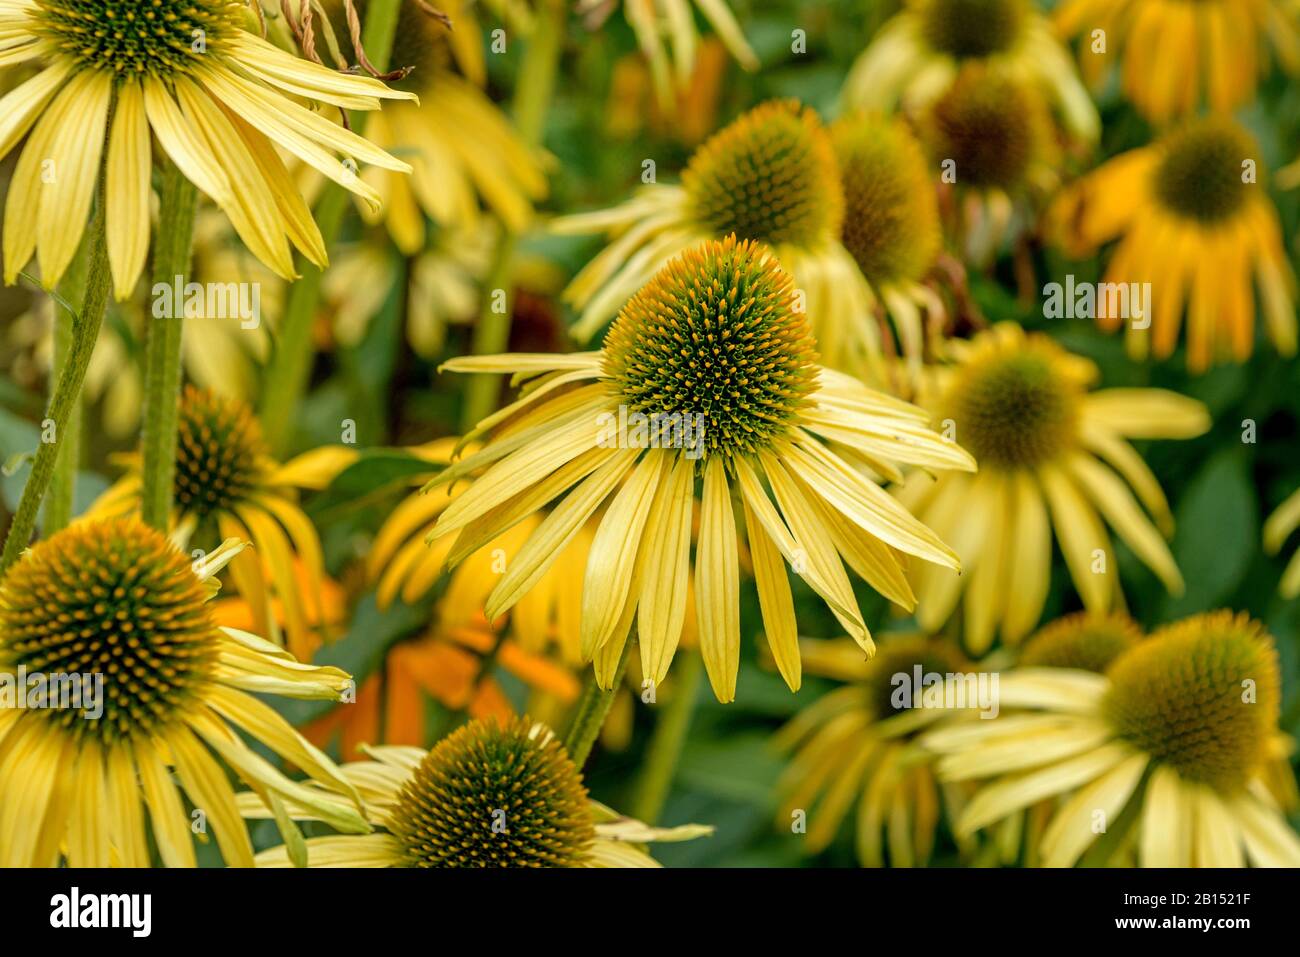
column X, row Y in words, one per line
column 713, row 353
column 116, row 600
column 1278, row 527
column 1174, row 56
column 918, row 53
column 488, row 795
column 855, row 748
column 226, row 482
column 1053, row 457
column 1169, row 747
column 1193, row 219
column 218, row 98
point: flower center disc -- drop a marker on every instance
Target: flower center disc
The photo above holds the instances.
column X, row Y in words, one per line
column 989, row 126
column 218, row 446
column 901, row 656
column 1201, row 696
column 1013, row 410
column 114, row 599
column 770, row 176
column 891, row 216
column 491, row 796
column 135, row 37
column 715, row 334
column 1084, row 641
column 1200, row 174
column 973, row 28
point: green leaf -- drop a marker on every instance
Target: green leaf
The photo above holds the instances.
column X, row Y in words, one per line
column 1217, row 533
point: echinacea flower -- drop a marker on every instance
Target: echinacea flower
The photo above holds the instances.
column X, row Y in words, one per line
column 1174, row 56
column 226, row 482
column 492, row 794
column 656, row 21
column 115, row 599
column 1053, row 457
column 1168, row 747
column 714, row 353
column 464, row 153
column 854, row 750
column 220, row 101
column 990, row 137
column 918, row 53
column 769, row 177
column 1194, row 221
column 891, row 229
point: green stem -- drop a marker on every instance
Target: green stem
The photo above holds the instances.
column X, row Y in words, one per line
column 533, row 94
column 290, row 366
column 178, row 202
column 674, row 721
column 63, row 484
column 592, row 709
column 67, row 389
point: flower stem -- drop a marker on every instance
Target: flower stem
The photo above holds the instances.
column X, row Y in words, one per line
column 532, row 102
column 60, row 499
column 290, row 366
column 67, row 389
column 674, row 721
column 592, row 709
column 162, row 372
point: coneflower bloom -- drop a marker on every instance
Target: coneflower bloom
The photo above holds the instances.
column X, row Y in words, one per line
column 1169, row 746
column 1194, row 220
column 1173, row 56
column 463, row 152
column 714, row 353
column 116, row 600
column 219, row 99
column 227, row 485
column 492, row 794
column 918, row 53
column 891, row 229
column 1053, row 457
column 990, row 139
column 770, row 176
column 656, row 21
column 855, row 750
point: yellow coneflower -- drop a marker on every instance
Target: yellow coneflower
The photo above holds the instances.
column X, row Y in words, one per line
column 918, row 53
column 116, row 600
column 1192, row 221
column 1083, row 641
column 1053, row 456
column 226, row 479
column 1277, row 528
column 657, row 21
column 1168, row 748
column 857, row 746
column 1174, row 56
column 989, row 137
column 488, row 795
column 771, row 176
column 891, row 229
column 463, row 151
column 713, row 352
column 220, row 100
